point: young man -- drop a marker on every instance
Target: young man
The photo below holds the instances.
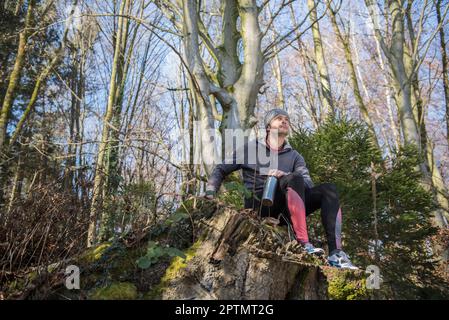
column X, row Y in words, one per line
column 296, row 196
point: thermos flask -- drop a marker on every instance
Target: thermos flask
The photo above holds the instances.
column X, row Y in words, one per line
column 269, row 191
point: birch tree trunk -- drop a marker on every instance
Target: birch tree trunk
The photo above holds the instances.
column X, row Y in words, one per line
column 17, row 181
column 388, row 86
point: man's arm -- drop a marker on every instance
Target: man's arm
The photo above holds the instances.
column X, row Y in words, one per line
column 300, row 166
column 220, row 172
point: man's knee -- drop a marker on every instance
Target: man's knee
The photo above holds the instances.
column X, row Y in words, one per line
column 330, row 188
column 294, row 179
column 295, row 176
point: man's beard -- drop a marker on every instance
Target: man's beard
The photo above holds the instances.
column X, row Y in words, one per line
column 280, row 132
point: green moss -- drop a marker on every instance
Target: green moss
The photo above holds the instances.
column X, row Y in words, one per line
column 95, row 253
column 179, row 263
column 20, row 283
column 173, row 270
column 186, row 206
column 124, row 261
column 344, row 285
column 115, row 291
column 107, row 262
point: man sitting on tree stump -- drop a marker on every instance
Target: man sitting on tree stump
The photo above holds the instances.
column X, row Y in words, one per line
column 295, row 195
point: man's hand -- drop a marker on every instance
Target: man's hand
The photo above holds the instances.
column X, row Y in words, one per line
column 209, row 195
column 276, row 173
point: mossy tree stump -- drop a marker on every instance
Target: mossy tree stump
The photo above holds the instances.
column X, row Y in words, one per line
column 229, row 254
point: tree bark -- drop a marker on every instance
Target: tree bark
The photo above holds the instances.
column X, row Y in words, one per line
column 388, row 86
column 410, row 65
column 308, row 68
column 199, row 82
column 326, row 91
column 444, row 63
column 115, row 147
column 419, row 107
column 344, row 39
column 246, row 89
column 395, row 56
column 16, row 185
column 37, row 86
column 101, row 167
column 240, row 258
column 234, row 85
column 280, row 100
column 14, row 77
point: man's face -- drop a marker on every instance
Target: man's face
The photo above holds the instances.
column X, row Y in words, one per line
column 281, row 124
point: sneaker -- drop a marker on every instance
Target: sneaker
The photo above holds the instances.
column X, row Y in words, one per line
column 310, row 249
column 340, row 259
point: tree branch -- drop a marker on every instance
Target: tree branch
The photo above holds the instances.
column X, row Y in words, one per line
column 268, row 54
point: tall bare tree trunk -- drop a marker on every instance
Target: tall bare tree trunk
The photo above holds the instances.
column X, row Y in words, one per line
column 15, row 188
column 444, row 63
column 402, row 83
column 328, row 101
column 314, row 106
column 395, row 55
column 18, row 6
column 37, row 86
column 14, row 77
column 192, row 186
column 235, row 85
column 115, row 147
column 410, row 65
column 438, row 182
column 69, row 183
column 399, row 63
column 199, row 82
column 419, row 107
column 367, row 94
column 74, row 167
column 388, row 86
column 344, row 39
column 280, row 100
column 250, row 80
column 101, row 168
